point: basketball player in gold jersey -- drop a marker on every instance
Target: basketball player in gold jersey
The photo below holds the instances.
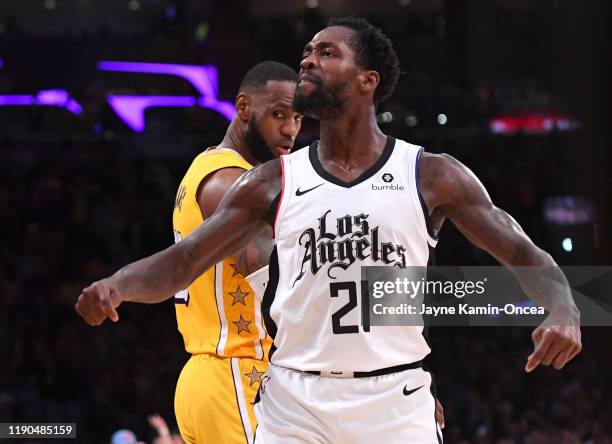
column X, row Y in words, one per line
column 218, row 314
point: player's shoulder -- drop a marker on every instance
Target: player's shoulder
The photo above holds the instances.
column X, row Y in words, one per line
column 270, row 170
column 259, row 187
column 439, row 164
column 221, row 157
column 212, row 161
column 444, row 175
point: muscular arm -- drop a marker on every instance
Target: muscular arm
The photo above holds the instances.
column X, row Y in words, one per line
column 241, row 215
column 212, row 189
column 452, row 191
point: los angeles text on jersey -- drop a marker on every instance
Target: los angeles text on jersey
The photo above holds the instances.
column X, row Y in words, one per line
column 353, row 239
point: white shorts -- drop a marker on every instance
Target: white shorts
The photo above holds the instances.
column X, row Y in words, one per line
column 298, row 407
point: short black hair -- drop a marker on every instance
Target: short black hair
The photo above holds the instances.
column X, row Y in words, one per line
column 374, row 51
column 260, row 74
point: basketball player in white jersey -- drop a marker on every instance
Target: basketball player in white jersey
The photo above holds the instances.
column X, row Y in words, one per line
column 331, row 380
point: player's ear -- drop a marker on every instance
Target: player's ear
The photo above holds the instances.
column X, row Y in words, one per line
column 369, row 80
column 244, row 106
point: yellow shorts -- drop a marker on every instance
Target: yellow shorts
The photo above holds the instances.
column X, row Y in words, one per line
column 214, row 399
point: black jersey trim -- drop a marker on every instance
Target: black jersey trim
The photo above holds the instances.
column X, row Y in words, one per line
column 431, row 260
column 273, row 210
column 268, row 299
column 380, row 162
column 423, row 204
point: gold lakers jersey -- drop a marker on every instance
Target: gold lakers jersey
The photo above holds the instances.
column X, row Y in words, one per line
column 217, row 313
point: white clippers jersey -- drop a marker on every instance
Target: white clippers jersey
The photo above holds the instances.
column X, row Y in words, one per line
column 325, row 231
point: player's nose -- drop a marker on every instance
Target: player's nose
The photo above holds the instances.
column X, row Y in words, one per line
column 308, row 62
column 290, row 129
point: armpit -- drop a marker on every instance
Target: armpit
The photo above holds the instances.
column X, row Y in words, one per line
column 256, row 254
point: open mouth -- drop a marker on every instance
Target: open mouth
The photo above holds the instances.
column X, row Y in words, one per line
column 304, row 79
column 306, row 82
column 283, row 149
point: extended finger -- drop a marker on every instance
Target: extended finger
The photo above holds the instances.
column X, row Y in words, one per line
column 108, row 309
column 541, row 347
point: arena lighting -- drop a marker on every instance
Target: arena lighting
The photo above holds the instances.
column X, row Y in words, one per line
column 48, row 97
column 569, row 210
column 203, row 78
column 131, row 109
column 532, row 124
column 385, row 117
column 412, row 120
column 133, row 5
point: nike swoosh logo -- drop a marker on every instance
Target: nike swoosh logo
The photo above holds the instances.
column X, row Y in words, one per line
column 298, row 192
column 410, row 392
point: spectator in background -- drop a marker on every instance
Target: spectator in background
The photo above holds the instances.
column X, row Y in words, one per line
column 164, row 436
column 124, row 436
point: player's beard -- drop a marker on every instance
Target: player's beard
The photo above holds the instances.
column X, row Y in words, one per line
column 323, row 103
column 256, row 143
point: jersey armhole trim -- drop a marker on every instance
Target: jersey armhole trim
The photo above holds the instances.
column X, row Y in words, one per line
column 273, row 210
column 431, row 238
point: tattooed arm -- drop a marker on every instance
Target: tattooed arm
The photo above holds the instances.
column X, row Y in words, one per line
column 241, row 216
column 452, row 191
column 257, row 253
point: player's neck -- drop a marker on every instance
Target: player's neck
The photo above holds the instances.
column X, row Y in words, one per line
column 235, row 139
column 352, row 135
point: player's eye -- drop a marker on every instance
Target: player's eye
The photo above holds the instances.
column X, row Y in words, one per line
column 299, row 118
column 278, row 115
column 328, row 53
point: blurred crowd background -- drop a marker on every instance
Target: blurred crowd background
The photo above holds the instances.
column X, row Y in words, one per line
column 515, row 90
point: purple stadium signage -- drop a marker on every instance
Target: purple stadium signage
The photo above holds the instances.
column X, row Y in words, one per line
column 204, row 79
column 47, row 97
column 130, row 108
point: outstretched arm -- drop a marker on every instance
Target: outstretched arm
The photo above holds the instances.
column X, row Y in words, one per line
column 256, row 253
column 241, row 215
column 452, row 191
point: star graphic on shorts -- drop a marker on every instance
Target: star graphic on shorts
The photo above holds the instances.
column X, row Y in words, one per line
column 236, row 271
column 239, row 296
column 254, row 375
column 242, row 324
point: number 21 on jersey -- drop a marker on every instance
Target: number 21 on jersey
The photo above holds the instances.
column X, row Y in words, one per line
column 351, row 287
